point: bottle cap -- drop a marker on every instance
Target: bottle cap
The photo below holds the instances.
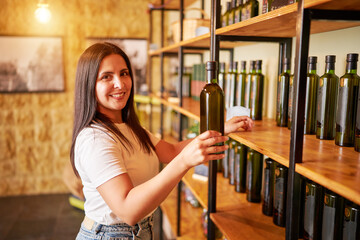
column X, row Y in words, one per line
column 312, row 59
column 352, row 57
column 330, row 58
column 211, row 66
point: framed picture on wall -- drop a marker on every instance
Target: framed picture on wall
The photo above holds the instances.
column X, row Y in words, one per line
column 31, row 64
column 136, row 50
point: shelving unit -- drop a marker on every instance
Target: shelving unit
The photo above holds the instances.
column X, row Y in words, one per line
column 336, row 168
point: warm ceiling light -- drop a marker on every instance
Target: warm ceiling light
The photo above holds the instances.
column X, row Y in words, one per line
column 42, row 13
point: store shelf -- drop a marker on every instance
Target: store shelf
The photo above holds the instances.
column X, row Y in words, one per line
column 169, row 4
column 336, row 168
column 189, row 215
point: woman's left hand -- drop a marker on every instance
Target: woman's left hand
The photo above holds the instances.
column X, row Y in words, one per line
column 237, row 122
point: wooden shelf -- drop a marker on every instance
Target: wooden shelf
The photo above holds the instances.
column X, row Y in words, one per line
column 189, row 215
column 282, row 19
column 336, row 168
column 169, row 4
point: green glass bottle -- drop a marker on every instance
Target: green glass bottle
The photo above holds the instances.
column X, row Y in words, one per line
column 351, row 229
column 231, row 157
column 279, row 217
column 266, row 6
column 347, row 103
column 212, row 102
column 357, row 126
column 252, row 9
column 326, row 101
column 333, row 216
column 240, row 85
column 312, row 81
column 232, row 12
column 257, row 92
column 248, row 84
column 244, row 10
column 283, row 95
column 268, row 187
column 225, row 16
column 222, row 76
column 254, row 175
column 240, row 167
column 231, row 85
column 225, row 161
column 313, row 210
column 238, row 11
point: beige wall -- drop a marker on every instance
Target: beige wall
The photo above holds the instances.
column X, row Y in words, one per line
column 35, row 129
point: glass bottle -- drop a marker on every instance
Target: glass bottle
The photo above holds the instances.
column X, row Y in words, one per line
column 244, row 10
column 279, row 217
column 240, row 86
column 283, row 95
column 268, row 187
column 256, row 92
column 347, row 103
column 240, row 168
column 313, row 210
column 266, row 6
column 231, row 157
column 232, row 12
column 351, row 226
column 212, row 102
column 230, row 85
column 312, row 81
column 326, row 101
column 225, row 16
column 254, row 175
column 248, row 84
column 357, row 126
column 252, row 9
column 333, row 216
column 238, row 11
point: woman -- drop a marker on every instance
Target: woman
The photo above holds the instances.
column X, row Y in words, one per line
column 116, row 159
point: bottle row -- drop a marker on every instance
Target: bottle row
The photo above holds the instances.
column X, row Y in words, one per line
column 324, row 214
column 237, row 11
column 331, row 109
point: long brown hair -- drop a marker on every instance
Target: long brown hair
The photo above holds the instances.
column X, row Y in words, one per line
column 86, row 104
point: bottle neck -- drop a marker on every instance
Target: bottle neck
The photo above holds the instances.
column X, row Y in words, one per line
column 330, row 67
column 312, row 68
column 351, row 67
column 211, row 76
column 286, row 68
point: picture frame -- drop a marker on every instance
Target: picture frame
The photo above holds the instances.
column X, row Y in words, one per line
column 136, row 49
column 31, row 64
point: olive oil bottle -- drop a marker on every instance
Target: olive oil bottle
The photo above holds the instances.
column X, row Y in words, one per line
column 351, row 229
column 326, row 101
column 240, row 85
column 268, row 187
column 347, row 103
column 333, row 215
column 280, row 189
column 252, row 71
column 357, row 126
column 312, row 81
column 240, row 167
column 256, row 92
column 254, row 175
column 283, row 95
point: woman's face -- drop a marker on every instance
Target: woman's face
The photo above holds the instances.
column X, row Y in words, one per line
column 113, row 86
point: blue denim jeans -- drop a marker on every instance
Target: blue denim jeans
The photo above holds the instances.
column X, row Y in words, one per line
column 121, row 231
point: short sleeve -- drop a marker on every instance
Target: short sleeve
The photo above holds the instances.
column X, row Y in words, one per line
column 98, row 156
column 153, row 138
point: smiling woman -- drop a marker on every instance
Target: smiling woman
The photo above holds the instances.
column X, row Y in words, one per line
column 117, row 159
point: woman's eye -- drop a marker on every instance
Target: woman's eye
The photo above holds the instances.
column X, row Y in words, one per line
column 105, row 77
column 126, row 73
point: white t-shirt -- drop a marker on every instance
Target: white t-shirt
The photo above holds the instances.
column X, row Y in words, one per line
column 99, row 157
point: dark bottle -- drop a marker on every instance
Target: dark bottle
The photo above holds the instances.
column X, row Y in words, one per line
column 231, row 157
column 231, row 86
column 222, row 76
column 256, row 92
column 232, row 12
column 225, row 161
column 266, row 6
column 333, row 216
column 279, row 217
column 347, row 103
column 313, row 210
column 252, row 8
column 238, row 11
column 283, row 95
column 225, row 16
column 312, row 81
column 254, row 176
column 357, row 126
column 252, row 71
column 351, row 229
column 240, row 85
column 290, row 101
column 240, row 168
column 326, row 101
column 268, row 187
column 212, row 102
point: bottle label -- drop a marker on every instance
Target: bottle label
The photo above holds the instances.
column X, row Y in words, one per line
column 328, row 222
column 321, row 103
column 309, row 217
column 342, row 106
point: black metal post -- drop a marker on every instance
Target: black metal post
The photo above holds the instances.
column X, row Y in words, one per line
column 297, row 131
column 150, row 70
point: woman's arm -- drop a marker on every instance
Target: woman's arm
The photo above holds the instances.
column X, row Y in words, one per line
column 131, row 204
column 167, row 151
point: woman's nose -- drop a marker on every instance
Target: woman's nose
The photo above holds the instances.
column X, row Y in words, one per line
column 117, row 83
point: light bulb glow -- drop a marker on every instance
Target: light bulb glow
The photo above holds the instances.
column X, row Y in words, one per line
column 42, row 13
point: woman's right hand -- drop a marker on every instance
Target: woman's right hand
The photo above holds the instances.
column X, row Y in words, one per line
column 203, row 149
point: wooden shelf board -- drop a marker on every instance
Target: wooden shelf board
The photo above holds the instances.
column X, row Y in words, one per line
column 169, row 4
column 336, row 168
column 190, row 217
